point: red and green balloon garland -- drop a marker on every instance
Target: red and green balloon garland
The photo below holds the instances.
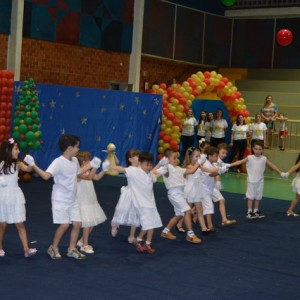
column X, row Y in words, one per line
column 26, row 119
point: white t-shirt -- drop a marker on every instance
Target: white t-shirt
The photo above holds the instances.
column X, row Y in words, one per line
column 218, row 128
column 240, row 132
column 188, row 126
column 282, row 126
column 201, row 128
column 257, row 130
column 207, row 180
column 141, row 185
column 64, row 172
column 256, row 166
column 175, row 178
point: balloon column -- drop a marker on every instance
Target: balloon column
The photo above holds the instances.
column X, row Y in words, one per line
column 6, row 95
column 26, row 119
column 179, row 97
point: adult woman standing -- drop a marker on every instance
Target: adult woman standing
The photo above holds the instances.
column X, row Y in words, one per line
column 239, row 135
column 219, row 127
column 189, row 128
column 269, row 112
column 201, row 126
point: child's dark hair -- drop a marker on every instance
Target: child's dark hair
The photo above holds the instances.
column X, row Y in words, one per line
column 131, row 153
column 6, row 157
column 223, row 146
column 83, row 156
column 258, row 143
column 146, row 157
column 203, row 144
column 209, row 151
column 66, row 141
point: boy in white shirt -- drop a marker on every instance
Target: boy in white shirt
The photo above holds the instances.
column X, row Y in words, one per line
column 65, row 210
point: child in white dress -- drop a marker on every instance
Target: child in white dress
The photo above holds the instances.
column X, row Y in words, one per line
column 91, row 212
column 125, row 212
column 295, row 187
column 12, row 200
column 140, row 181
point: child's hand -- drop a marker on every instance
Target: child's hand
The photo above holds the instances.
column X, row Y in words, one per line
column 105, row 165
column 222, row 170
column 29, row 160
column 95, row 162
column 164, row 161
column 285, row 175
column 162, row 170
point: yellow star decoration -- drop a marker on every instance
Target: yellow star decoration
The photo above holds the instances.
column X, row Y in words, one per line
column 63, row 131
column 84, row 120
column 145, row 112
column 150, row 136
column 121, row 106
column 52, row 103
column 77, row 94
column 102, row 109
column 98, row 138
column 129, row 135
column 137, row 100
column 156, row 101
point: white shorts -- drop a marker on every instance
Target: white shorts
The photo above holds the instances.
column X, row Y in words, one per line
column 177, row 199
column 216, row 195
column 208, row 205
column 255, row 190
column 65, row 213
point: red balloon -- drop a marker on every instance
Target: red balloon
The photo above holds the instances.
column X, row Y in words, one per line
column 176, row 122
column 284, row 37
column 206, row 74
column 170, row 116
column 167, row 139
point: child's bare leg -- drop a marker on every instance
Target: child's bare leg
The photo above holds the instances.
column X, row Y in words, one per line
column 250, row 205
column 141, row 235
column 74, row 234
column 188, row 220
column 149, row 237
column 2, row 233
column 210, row 224
column 293, row 205
column 23, row 236
column 201, row 219
column 174, row 220
column 60, row 231
column 131, row 237
column 86, row 231
column 222, row 210
column 256, row 204
column 180, row 223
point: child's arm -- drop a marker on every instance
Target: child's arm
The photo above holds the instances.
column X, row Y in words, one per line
column 272, row 166
column 30, row 161
column 99, row 175
column 191, row 169
column 105, row 168
column 239, row 162
column 120, row 169
column 294, row 168
column 88, row 175
column 24, row 168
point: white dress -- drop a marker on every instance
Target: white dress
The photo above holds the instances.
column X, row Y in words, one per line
column 91, row 212
column 125, row 211
column 193, row 188
column 296, row 184
column 12, row 200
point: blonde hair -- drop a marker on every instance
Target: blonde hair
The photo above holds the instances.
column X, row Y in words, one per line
column 83, row 156
column 189, row 152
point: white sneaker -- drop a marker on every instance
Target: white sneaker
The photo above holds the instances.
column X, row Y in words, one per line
column 75, row 254
column 79, row 244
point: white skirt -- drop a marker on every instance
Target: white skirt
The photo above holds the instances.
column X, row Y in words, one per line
column 12, row 205
column 125, row 212
column 150, row 218
column 296, row 184
column 91, row 212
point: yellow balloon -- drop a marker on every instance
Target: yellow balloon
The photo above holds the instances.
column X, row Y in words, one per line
column 188, row 102
column 176, row 129
column 200, row 75
column 178, row 114
column 172, row 108
column 186, row 94
column 161, row 150
column 163, row 127
column 166, row 146
column 174, row 101
column 168, row 131
column 180, row 108
column 175, row 136
column 192, row 98
column 199, row 89
column 155, row 87
column 181, row 89
column 185, row 84
column 160, row 142
column 189, row 89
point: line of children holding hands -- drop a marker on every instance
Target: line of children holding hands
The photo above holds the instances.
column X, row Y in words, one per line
column 66, row 169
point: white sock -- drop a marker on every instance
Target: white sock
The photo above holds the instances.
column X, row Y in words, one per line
column 166, row 230
column 190, row 233
column 249, row 210
column 255, row 210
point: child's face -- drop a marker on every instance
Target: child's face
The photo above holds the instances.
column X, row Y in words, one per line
column 195, row 156
column 223, row 153
column 258, row 119
column 146, row 166
column 213, row 158
column 73, row 149
column 257, row 150
column 173, row 159
column 15, row 151
column 134, row 161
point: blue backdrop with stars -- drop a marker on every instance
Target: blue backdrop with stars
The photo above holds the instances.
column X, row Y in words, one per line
column 98, row 117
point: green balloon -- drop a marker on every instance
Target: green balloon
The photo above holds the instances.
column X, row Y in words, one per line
column 228, row 2
column 38, row 134
column 35, row 128
column 30, row 137
column 22, row 128
column 23, row 145
column 22, row 115
column 34, row 114
column 16, row 121
column 28, row 121
column 36, row 145
column 16, row 135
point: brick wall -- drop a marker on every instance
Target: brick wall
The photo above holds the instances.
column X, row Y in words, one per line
column 55, row 63
column 3, row 51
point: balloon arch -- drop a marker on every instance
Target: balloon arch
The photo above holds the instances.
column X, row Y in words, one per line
column 178, row 98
